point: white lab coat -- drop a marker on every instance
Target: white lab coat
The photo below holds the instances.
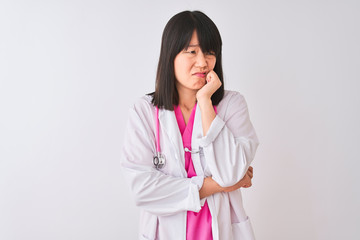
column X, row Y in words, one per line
column 166, row 195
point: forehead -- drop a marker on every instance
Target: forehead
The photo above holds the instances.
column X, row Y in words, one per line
column 194, row 39
column 205, row 42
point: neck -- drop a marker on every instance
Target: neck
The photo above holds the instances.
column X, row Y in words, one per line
column 187, row 98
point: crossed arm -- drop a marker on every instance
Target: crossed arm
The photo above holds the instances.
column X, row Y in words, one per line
column 210, row 187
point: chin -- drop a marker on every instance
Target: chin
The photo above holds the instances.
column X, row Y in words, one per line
column 200, row 83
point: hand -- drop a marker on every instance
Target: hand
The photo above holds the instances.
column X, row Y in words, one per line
column 245, row 182
column 250, row 173
column 212, row 84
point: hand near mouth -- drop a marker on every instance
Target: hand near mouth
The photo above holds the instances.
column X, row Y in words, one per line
column 212, row 84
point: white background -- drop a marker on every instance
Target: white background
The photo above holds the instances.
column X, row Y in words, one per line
column 70, row 70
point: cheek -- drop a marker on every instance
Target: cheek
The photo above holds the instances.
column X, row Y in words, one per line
column 177, row 68
column 180, row 66
column 212, row 64
column 181, row 71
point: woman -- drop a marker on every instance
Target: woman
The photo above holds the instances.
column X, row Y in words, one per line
column 204, row 133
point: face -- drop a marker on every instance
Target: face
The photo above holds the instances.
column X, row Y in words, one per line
column 192, row 65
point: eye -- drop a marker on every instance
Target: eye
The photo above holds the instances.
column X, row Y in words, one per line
column 210, row 53
column 192, row 52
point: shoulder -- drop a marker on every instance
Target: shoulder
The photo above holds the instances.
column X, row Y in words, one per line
column 233, row 102
column 142, row 110
column 231, row 99
column 143, row 102
column 230, row 94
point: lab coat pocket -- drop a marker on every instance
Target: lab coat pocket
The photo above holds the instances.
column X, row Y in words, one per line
column 149, row 227
column 243, row 230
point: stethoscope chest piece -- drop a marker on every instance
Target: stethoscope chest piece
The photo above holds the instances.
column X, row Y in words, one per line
column 159, row 161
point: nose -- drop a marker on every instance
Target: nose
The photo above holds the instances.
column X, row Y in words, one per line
column 200, row 60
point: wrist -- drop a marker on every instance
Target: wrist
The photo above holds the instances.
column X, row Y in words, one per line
column 201, row 95
column 203, row 101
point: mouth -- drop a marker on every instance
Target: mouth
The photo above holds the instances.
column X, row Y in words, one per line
column 200, row 74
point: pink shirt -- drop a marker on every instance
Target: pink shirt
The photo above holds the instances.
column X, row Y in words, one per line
column 198, row 225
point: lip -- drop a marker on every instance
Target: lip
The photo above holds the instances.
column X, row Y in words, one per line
column 200, row 74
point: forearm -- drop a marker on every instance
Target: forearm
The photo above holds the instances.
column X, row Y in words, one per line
column 207, row 113
column 209, row 187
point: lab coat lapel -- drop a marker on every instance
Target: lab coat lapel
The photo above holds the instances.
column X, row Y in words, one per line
column 197, row 131
column 197, row 134
column 168, row 127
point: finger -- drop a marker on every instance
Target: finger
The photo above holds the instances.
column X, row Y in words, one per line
column 251, row 169
column 248, row 182
column 209, row 76
column 212, row 76
column 247, row 185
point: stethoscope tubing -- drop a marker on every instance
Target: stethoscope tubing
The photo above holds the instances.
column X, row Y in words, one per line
column 157, row 131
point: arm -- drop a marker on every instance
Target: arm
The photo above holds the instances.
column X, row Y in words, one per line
column 153, row 190
column 207, row 113
column 211, row 187
column 229, row 145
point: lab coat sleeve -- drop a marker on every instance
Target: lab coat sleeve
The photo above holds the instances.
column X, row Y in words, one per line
column 230, row 145
column 153, row 190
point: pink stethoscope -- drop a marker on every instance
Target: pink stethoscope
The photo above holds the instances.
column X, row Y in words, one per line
column 159, row 158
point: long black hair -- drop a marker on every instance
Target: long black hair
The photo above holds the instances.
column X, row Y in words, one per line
column 176, row 37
